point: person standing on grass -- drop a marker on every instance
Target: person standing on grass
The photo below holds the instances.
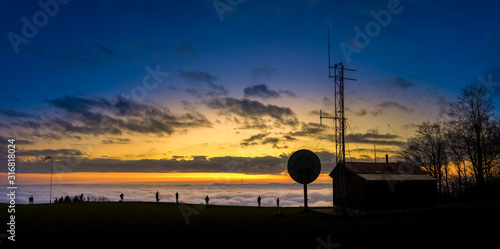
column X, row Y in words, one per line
column 207, row 199
column 121, row 197
column 258, row 200
column 157, row 196
column 278, row 202
column 176, row 197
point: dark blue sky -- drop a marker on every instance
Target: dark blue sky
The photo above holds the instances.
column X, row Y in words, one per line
column 257, row 67
column 102, row 47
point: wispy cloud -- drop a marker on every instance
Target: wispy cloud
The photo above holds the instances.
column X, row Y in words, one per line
column 11, row 113
column 263, row 72
column 90, row 53
column 400, row 82
column 260, row 91
column 373, row 137
column 391, row 105
column 265, row 138
column 185, row 49
column 204, row 84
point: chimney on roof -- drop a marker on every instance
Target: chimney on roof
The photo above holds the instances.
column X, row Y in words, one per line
column 386, row 158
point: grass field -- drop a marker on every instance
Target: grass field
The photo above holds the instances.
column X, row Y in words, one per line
column 457, row 225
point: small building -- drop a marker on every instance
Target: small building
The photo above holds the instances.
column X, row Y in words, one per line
column 384, row 187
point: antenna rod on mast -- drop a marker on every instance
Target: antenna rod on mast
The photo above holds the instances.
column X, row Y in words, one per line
column 328, row 31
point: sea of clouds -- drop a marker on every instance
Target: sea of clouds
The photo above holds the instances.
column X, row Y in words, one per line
column 290, row 195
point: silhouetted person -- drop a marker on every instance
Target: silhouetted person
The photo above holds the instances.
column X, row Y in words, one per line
column 81, row 197
column 121, row 197
column 207, row 199
column 278, row 202
column 30, row 199
column 176, row 197
column 258, row 200
column 157, row 196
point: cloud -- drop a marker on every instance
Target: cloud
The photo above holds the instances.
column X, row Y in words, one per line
column 252, row 140
column 88, row 115
column 256, row 137
column 361, row 112
column 260, row 91
column 18, row 141
column 411, row 126
column 116, row 141
column 328, row 102
column 75, row 160
column 39, row 155
column 219, row 193
column 185, row 49
column 308, row 130
column 90, row 53
column 288, row 93
column 373, row 137
column 264, row 138
column 77, row 104
column 200, row 79
column 274, row 141
column 263, row 92
column 11, row 113
column 391, row 104
column 107, row 51
column 263, row 72
column 253, row 110
column 399, row 82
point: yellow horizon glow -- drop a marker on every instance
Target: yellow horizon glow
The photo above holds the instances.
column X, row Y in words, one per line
column 141, row 177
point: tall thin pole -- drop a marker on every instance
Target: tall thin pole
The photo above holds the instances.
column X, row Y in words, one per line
column 304, row 179
column 51, row 168
column 329, row 66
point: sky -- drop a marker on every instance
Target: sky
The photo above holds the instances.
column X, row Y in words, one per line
column 131, row 91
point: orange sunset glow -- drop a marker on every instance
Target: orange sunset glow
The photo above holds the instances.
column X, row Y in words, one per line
column 174, row 178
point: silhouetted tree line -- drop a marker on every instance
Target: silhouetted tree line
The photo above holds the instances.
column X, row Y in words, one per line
column 81, row 198
column 462, row 151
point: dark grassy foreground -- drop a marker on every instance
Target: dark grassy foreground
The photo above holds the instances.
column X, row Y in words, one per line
column 458, row 225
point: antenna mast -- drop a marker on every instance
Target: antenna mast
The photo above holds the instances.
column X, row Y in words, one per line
column 339, row 180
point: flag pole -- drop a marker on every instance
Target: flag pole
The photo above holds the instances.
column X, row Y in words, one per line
column 51, row 168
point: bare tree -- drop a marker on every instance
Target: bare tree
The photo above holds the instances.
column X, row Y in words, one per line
column 428, row 149
column 458, row 158
column 471, row 118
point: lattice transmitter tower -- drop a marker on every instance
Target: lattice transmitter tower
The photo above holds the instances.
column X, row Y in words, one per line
column 338, row 76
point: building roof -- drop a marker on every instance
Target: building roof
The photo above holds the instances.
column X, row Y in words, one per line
column 362, row 168
column 396, row 177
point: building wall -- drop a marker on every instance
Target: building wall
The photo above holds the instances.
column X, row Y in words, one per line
column 400, row 194
column 367, row 195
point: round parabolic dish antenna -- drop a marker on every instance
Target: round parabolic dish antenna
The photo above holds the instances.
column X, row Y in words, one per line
column 304, row 164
